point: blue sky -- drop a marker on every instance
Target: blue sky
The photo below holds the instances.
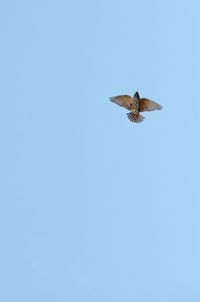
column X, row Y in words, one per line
column 93, row 207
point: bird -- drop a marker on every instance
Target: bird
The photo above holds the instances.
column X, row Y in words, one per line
column 135, row 105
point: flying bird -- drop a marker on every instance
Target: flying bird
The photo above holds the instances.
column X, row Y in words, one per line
column 135, row 105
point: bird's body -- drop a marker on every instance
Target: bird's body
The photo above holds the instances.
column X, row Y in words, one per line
column 135, row 105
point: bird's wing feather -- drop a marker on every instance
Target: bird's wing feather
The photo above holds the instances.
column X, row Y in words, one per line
column 123, row 101
column 149, row 105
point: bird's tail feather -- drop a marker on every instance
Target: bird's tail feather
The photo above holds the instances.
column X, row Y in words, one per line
column 135, row 118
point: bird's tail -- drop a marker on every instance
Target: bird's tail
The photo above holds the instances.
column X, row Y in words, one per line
column 135, row 118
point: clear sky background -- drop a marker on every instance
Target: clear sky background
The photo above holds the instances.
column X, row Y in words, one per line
column 92, row 207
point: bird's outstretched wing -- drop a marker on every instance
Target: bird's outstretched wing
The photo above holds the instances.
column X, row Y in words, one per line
column 123, row 101
column 149, row 105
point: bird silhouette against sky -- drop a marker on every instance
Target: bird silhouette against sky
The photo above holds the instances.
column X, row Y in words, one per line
column 135, row 105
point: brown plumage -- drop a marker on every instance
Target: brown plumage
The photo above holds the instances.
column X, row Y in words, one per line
column 135, row 105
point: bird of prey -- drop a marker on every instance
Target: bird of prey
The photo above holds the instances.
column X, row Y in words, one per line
column 135, row 105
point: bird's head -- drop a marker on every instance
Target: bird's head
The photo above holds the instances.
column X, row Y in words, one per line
column 136, row 95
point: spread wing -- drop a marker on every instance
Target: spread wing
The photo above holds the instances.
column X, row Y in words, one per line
column 123, row 101
column 148, row 105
